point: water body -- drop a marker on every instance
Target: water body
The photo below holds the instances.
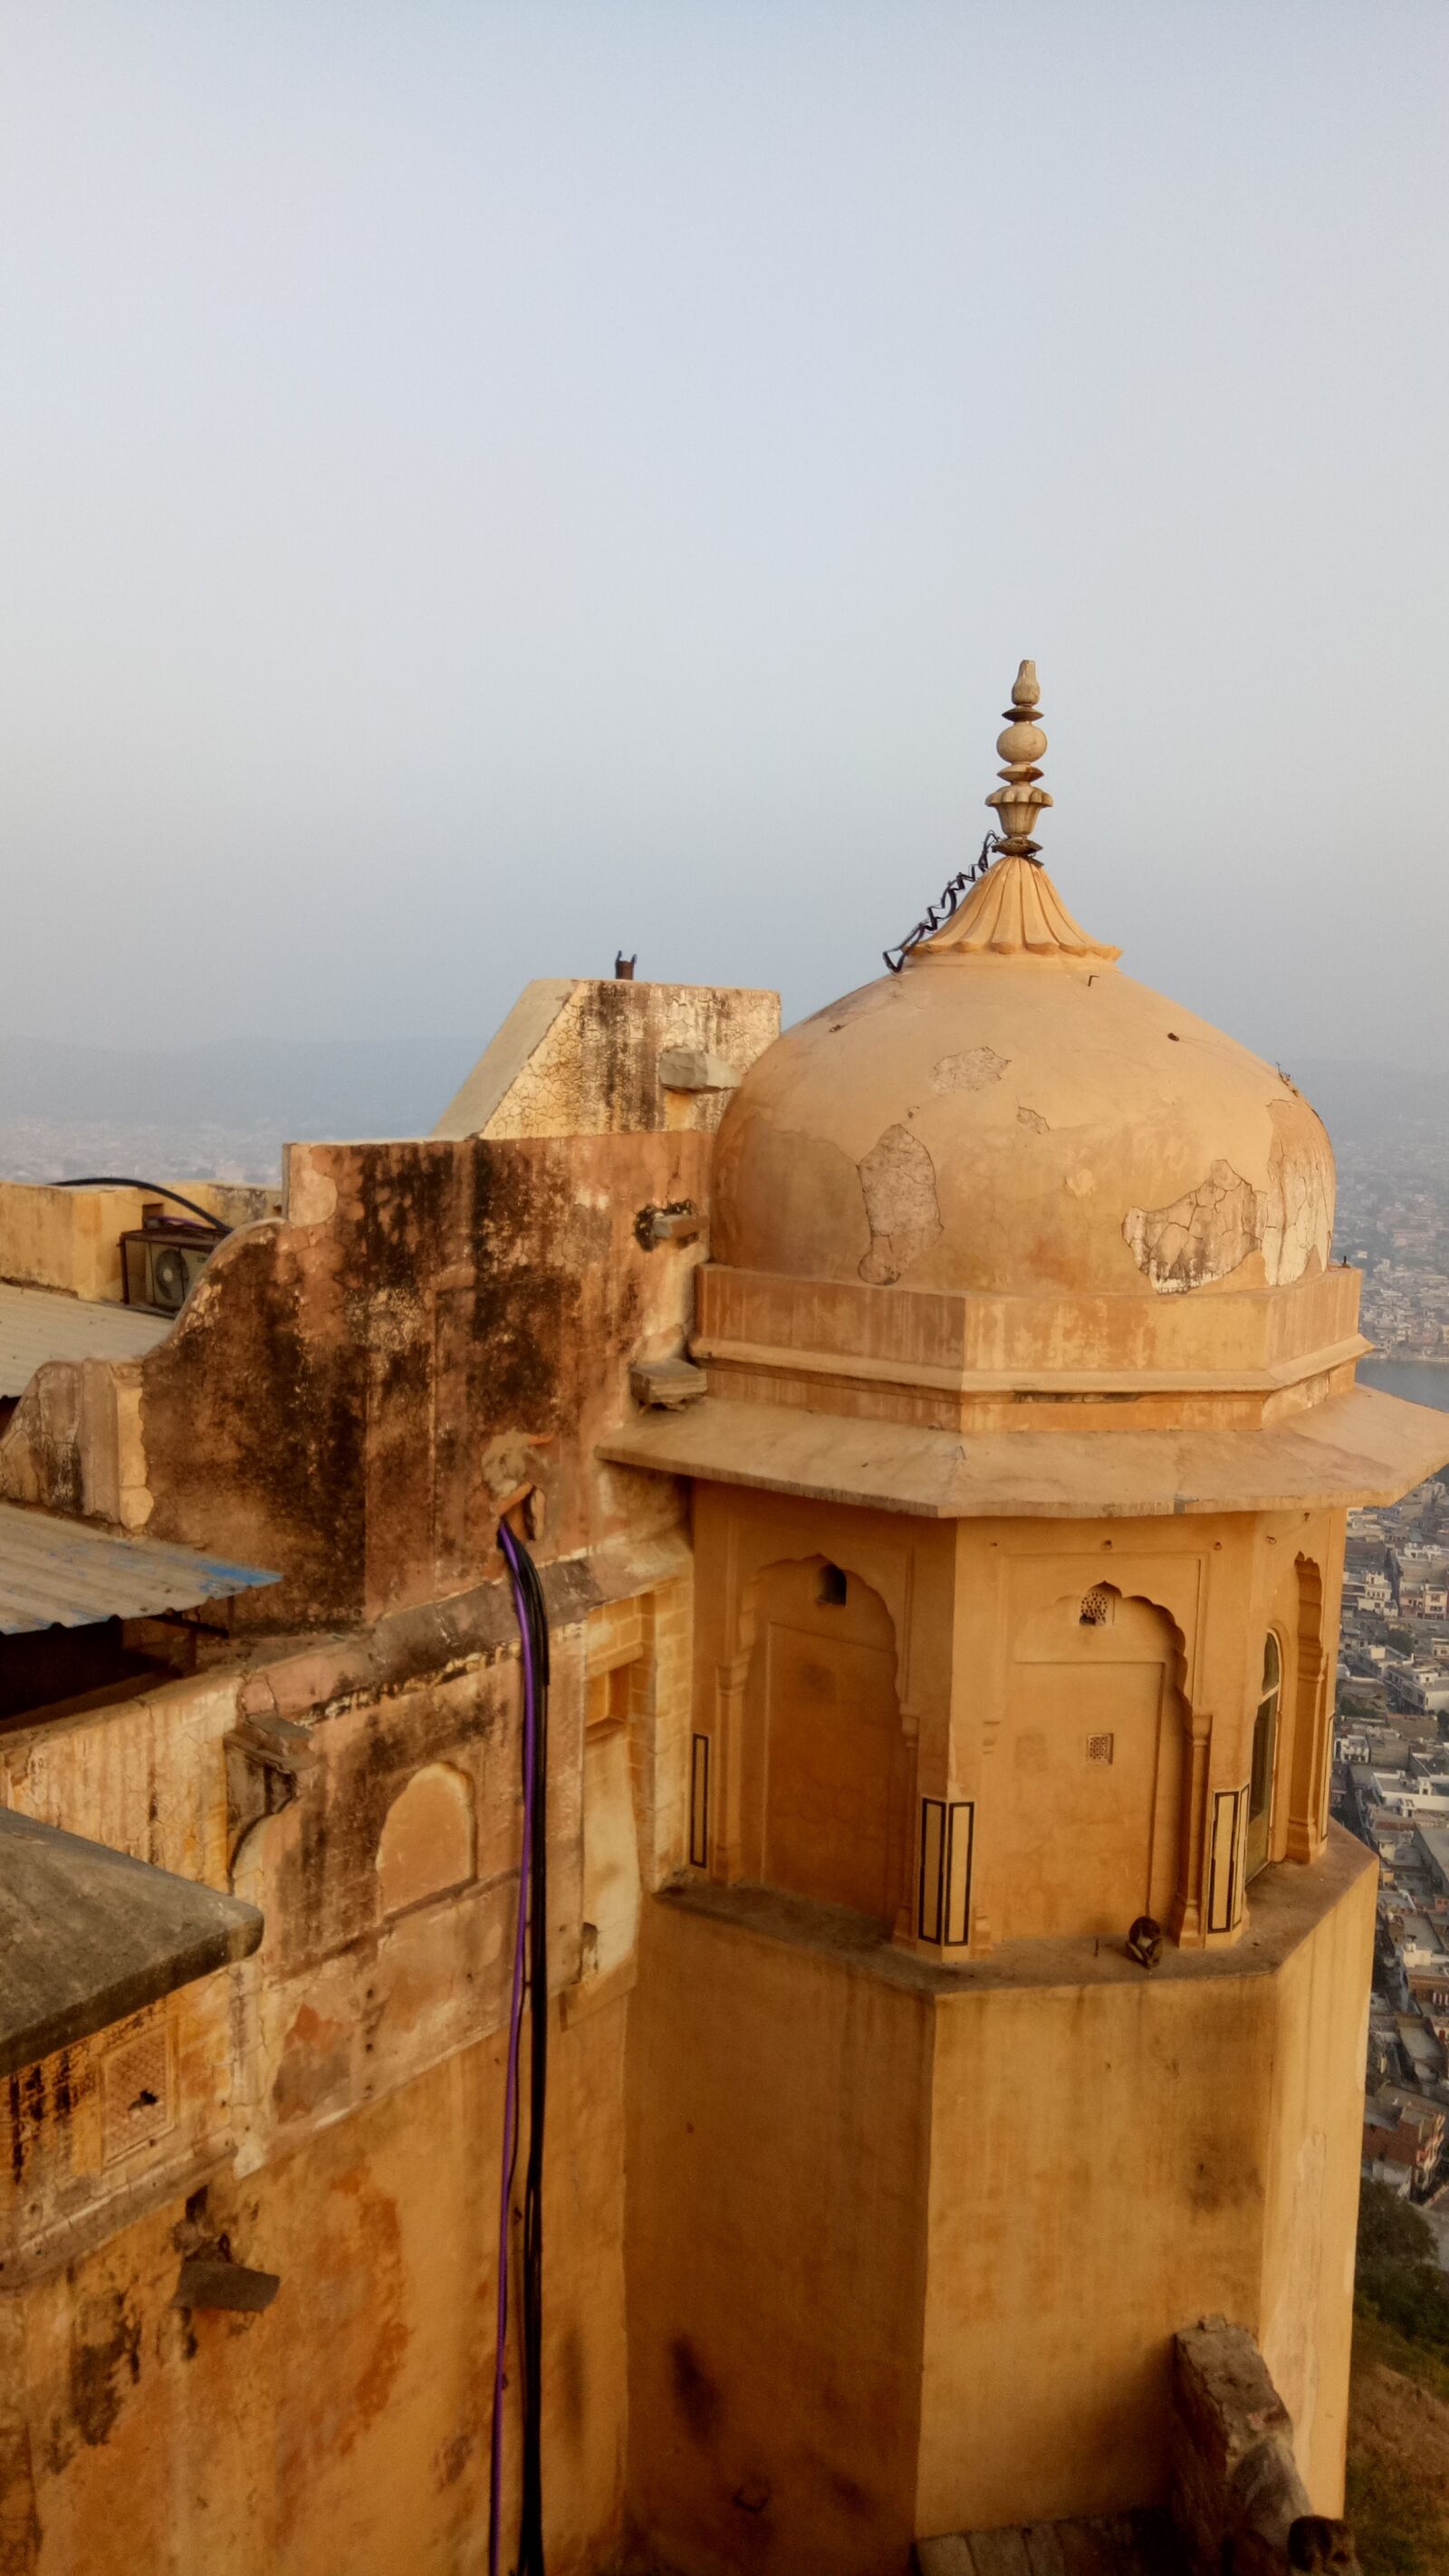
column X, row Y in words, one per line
column 1418, row 1381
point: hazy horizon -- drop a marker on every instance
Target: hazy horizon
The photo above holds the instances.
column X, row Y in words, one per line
column 67, row 1108
column 483, row 486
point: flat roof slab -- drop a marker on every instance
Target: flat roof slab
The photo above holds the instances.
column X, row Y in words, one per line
column 89, row 1936
column 1359, row 1447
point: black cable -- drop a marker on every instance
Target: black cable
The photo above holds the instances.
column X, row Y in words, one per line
column 127, row 1181
column 530, row 2537
column 530, row 1991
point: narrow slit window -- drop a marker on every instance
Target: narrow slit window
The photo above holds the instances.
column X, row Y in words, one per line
column 832, row 1586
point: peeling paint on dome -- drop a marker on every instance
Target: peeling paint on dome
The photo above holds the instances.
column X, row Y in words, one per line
column 969, row 1071
column 1298, row 1202
column 898, row 1181
column 1197, row 1238
column 1212, row 1229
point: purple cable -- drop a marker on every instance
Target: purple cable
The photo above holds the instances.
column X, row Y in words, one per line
column 515, row 2031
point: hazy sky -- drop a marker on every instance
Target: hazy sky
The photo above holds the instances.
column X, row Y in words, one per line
column 484, row 483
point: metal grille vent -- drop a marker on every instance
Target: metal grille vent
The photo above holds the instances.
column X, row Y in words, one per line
column 1099, row 1748
column 136, row 2092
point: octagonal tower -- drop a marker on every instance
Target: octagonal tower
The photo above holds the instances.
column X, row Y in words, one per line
column 1011, row 2014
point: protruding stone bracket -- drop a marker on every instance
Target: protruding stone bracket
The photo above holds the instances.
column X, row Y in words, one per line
column 266, row 1756
column 213, row 2280
column 670, row 1383
column 679, row 1222
column 695, row 1069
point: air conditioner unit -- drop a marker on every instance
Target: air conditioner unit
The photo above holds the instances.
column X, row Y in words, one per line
column 161, row 1263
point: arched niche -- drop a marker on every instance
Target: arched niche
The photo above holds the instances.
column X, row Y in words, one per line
column 1088, row 1794
column 426, row 1846
column 823, row 1785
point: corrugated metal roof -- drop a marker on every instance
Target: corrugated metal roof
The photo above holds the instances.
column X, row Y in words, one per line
column 56, row 1573
column 38, row 1324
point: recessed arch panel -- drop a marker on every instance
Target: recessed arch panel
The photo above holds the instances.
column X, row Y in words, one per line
column 1086, row 1814
column 823, row 1770
column 426, row 1846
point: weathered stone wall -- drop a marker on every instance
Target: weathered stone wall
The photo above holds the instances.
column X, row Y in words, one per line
column 585, row 1057
column 988, row 2196
column 332, row 2111
column 347, row 2426
column 432, row 1334
column 353, row 1395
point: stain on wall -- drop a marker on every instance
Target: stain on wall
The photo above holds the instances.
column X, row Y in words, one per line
column 332, row 1400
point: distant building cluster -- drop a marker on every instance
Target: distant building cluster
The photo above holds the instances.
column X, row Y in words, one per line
column 1393, row 1225
column 47, row 1149
column 1391, row 1786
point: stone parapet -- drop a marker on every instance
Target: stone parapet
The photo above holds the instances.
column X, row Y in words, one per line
column 1238, row 2501
column 947, row 1357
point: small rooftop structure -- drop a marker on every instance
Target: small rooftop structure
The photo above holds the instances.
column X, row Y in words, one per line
column 60, row 1573
column 40, row 1324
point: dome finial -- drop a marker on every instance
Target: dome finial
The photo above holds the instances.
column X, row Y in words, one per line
column 1021, row 746
column 1006, row 903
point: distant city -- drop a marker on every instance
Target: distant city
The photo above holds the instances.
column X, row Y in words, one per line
column 225, row 1110
column 58, row 1149
column 1393, row 1225
column 1391, row 1756
column 1391, row 1788
column 219, row 1112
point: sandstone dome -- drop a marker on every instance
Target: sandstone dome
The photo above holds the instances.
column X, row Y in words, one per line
column 1012, row 1114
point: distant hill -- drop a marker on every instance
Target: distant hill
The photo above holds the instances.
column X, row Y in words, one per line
column 1365, row 1104
column 306, row 1087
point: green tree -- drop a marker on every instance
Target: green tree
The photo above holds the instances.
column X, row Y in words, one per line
column 1398, row 2279
column 1391, row 2230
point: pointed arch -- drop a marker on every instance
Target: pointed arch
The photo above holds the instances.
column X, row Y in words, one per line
column 823, row 1792
column 426, row 1844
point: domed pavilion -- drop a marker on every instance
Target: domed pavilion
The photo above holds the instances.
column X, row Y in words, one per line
column 1019, row 1483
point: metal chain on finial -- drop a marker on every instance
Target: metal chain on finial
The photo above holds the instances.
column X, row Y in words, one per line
column 1017, row 805
column 943, row 907
column 1020, row 801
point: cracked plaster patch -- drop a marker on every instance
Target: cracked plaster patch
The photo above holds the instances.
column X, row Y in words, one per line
column 1197, row 1238
column 1033, row 1119
column 898, row 1182
column 1298, row 1203
column 969, row 1072
column 1211, row 1230
column 508, row 1462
